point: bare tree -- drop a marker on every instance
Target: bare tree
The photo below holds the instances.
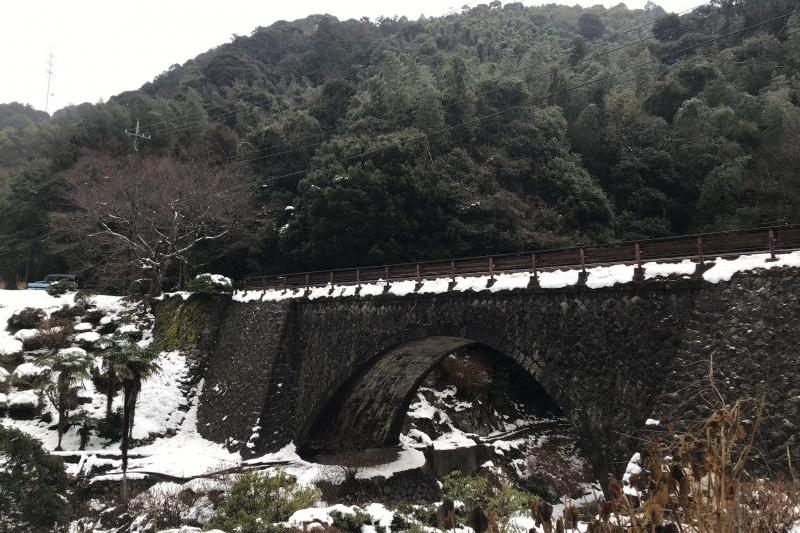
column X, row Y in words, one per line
column 142, row 217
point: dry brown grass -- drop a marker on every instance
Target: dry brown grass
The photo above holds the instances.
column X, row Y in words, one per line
column 468, row 373
column 700, row 481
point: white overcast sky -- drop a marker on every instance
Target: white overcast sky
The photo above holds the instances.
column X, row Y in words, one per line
column 104, row 47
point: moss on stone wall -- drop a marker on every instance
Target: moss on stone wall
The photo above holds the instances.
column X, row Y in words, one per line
column 178, row 323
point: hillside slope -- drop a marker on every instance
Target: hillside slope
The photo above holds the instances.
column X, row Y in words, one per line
column 499, row 128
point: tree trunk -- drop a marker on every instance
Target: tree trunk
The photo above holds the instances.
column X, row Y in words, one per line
column 158, row 277
column 62, row 422
column 111, row 378
column 124, row 444
column 136, row 387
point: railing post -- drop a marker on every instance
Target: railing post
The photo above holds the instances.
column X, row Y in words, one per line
column 583, row 260
column 386, row 275
column 358, row 278
column 283, row 283
column 534, row 273
column 772, row 245
column 638, row 271
column 419, row 274
column 700, row 256
column 453, row 271
column 306, row 281
column 331, row 279
column 491, row 268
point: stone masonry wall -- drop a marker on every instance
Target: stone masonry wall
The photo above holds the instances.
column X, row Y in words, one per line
column 611, row 358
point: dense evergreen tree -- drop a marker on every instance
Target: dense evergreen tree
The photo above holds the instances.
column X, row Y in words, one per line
column 499, row 128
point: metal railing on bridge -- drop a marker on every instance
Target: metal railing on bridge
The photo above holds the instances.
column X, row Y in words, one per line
column 696, row 247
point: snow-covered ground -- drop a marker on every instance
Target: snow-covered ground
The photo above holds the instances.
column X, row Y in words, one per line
column 598, row 277
column 166, row 412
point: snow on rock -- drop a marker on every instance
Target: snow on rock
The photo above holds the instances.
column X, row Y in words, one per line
column 380, row 515
column 421, row 408
column 27, row 371
column 4, row 375
column 420, row 437
column 652, row 422
column 408, row 459
column 319, row 515
column 83, row 326
column 558, row 279
column 72, row 351
column 608, row 276
column 218, row 280
column 662, row 270
column 452, row 440
column 189, row 529
column 128, row 328
column 3, row 401
column 9, row 345
column 88, row 336
column 25, row 334
column 724, row 269
column 22, row 398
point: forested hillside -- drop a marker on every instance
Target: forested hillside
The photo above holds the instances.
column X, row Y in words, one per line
column 321, row 143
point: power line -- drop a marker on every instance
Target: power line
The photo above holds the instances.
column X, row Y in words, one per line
column 135, row 136
column 531, row 102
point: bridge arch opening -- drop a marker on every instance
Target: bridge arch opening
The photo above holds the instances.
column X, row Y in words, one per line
column 369, row 411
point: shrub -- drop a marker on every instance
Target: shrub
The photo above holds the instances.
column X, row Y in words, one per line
column 110, row 429
column 162, row 504
column 48, row 339
column 351, row 523
column 84, row 298
column 501, row 499
column 33, row 485
column 507, row 502
column 68, row 312
column 472, row 490
column 257, row 500
column 94, row 317
column 57, row 288
column 424, row 514
column 22, row 408
column 28, row 318
column 210, row 284
column 399, row 523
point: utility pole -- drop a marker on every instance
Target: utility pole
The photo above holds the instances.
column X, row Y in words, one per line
column 135, row 136
column 49, row 79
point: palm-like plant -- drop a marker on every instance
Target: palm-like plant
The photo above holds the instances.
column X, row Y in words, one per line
column 70, row 368
column 131, row 365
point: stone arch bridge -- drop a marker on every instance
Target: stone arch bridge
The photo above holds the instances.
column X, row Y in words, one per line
column 340, row 372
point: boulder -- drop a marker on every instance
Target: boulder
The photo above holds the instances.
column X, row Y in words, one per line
column 27, row 374
column 23, row 405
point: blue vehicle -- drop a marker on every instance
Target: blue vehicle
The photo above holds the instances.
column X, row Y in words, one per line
column 67, row 279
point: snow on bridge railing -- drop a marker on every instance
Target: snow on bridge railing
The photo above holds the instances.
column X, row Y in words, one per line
column 697, row 247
